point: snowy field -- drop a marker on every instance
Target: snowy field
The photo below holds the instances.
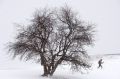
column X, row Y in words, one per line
column 21, row 70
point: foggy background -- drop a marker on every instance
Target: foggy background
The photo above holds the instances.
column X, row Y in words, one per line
column 105, row 14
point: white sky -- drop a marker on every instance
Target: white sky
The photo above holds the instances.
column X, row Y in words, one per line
column 104, row 13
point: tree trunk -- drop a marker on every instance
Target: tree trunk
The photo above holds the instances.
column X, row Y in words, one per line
column 54, row 68
column 50, row 69
column 45, row 70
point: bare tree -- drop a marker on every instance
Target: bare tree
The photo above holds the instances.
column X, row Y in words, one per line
column 54, row 37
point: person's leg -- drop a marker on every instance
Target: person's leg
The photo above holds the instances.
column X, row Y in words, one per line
column 99, row 66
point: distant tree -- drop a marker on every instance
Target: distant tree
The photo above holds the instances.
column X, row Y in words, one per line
column 54, row 37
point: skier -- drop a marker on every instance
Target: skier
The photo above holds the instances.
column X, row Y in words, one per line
column 100, row 62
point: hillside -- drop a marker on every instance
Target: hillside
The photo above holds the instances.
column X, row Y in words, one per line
column 33, row 71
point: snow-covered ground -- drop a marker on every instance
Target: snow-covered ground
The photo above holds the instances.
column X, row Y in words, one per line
column 27, row 70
